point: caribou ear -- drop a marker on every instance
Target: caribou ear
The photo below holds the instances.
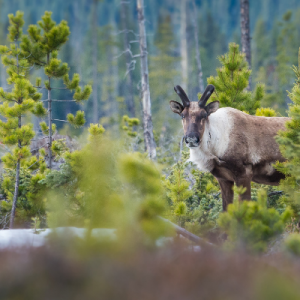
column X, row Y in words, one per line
column 176, row 107
column 212, row 107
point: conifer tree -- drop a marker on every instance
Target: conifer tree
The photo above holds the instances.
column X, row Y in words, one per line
column 22, row 100
column 289, row 141
column 163, row 72
column 232, row 80
column 245, row 33
column 41, row 46
column 250, row 225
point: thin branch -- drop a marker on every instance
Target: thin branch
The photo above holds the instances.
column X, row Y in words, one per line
column 64, row 100
column 127, row 51
column 59, row 100
column 60, row 120
column 127, row 31
column 44, row 137
column 35, row 163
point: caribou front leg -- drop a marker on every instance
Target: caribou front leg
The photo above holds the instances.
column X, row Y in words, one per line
column 246, row 183
column 226, row 191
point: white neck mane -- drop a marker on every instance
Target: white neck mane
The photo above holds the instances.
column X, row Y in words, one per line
column 215, row 140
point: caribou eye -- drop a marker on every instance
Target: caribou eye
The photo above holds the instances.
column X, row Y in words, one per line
column 182, row 116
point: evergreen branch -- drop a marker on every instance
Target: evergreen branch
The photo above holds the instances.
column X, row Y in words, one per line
column 35, row 162
column 275, row 193
column 223, row 80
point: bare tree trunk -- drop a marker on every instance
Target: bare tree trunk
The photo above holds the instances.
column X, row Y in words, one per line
column 15, row 199
column 147, row 118
column 77, row 36
column 245, row 33
column 49, row 118
column 95, row 62
column 198, row 58
column 183, row 44
column 129, row 93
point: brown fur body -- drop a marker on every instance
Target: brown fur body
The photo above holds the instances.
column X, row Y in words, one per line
column 250, row 155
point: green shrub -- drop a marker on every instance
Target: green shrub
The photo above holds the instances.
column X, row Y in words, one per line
column 250, row 224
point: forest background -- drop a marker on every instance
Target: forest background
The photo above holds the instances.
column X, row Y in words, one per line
column 275, row 30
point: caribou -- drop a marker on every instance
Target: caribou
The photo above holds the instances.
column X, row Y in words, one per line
column 236, row 148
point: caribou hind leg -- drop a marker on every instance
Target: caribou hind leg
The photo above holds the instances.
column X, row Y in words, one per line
column 226, row 191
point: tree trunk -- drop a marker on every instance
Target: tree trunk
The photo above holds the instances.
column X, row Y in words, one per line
column 147, row 118
column 129, row 90
column 49, row 119
column 183, row 44
column 245, row 33
column 15, row 199
column 95, row 63
column 198, row 58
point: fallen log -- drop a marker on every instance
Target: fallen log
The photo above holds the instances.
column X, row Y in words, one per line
column 188, row 235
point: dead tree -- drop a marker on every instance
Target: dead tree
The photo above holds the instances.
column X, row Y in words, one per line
column 95, row 61
column 129, row 93
column 145, row 91
column 198, row 58
column 245, row 32
column 183, row 44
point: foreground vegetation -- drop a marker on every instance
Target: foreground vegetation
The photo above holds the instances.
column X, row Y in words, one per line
column 108, row 181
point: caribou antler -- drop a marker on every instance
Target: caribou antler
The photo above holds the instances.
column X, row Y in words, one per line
column 205, row 96
column 181, row 93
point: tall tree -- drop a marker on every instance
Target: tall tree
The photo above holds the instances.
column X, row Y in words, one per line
column 198, row 58
column 163, row 73
column 183, row 43
column 129, row 94
column 245, row 32
column 95, row 60
column 145, row 91
column 41, row 47
column 16, row 104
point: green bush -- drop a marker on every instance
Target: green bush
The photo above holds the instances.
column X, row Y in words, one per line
column 250, row 224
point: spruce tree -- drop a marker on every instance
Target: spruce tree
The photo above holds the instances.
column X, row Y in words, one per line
column 163, row 73
column 22, row 100
column 41, row 46
column 232, row 80
column 289, row 142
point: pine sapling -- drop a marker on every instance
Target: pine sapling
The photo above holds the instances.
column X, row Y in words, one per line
column 22, row 100
column 42, row 45
column 232, row 80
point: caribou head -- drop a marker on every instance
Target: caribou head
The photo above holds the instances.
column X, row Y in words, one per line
column 194, row 114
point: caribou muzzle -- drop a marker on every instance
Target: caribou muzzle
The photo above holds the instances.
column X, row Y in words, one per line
column 192, row 140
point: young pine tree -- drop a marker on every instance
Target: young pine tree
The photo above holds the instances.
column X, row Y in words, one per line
column 232, row 80
column 250, row 225
column 41, row 46
column 289, row 141
column 22, row 99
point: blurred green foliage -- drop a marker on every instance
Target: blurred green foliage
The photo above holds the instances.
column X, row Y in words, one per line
column 251, row 225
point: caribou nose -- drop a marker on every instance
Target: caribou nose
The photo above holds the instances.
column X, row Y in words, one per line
column 192, row 139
